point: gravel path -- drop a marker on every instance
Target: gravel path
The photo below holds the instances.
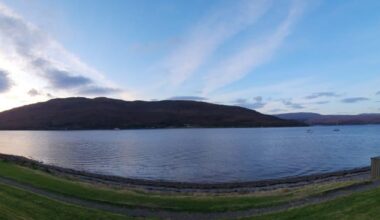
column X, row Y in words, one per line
column 164, row 214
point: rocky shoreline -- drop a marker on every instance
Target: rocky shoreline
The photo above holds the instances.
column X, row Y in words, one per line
column 168, row 186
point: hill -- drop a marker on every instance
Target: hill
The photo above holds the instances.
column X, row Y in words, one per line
column 317, row 119
column 300, row 116
column 104, row 113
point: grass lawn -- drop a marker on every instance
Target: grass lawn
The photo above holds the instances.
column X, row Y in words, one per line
column 358, row 206
column 17, row 204
column 200, row 203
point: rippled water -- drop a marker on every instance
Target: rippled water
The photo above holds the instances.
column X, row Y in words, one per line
column 201, row 155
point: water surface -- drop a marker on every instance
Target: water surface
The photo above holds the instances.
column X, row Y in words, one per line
column 201, row 155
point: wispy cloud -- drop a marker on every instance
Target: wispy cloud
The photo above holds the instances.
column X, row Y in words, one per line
column 321, row 94
column 5, row 82
column 60, row 79
column 256, row 53
column 39, row 93
column 321, row 102
column 192, row 98
column 287, row 88
column 277, row 110
column 98, row 90
column 34, row 52
column 354, row 99
column 378, row 93
column 210, row 33
column 34, row 92
column 256, row 103
column 292, row 105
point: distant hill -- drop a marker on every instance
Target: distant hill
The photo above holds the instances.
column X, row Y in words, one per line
column 317, row 119
column 104, row 113
column 301, row 116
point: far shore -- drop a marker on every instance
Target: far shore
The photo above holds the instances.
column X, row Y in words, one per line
column 306, row 126
column 362, row 173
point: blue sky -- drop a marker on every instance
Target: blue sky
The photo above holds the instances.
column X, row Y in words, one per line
column 271, row 56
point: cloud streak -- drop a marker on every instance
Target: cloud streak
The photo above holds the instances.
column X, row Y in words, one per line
column 5, row 82
column 191, row 98
column 60, row 79
column 292, row 105
column 34, row 92
column 321, row 94
column 354, row 99
column 277, row 110
column 98, row 90
column 210, row 33
column 245, row 61
column 321, row 102
column 256, row 103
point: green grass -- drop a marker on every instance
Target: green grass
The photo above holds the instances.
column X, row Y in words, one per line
column 200, row 203
column 17, row 204
column 358, row 206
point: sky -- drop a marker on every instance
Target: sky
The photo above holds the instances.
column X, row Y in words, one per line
column 270, row 56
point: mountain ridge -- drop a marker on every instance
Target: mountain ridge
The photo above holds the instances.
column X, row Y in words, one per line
column 311, row 118
column 78, row 113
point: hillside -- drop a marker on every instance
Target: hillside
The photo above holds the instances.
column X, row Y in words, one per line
column 301, row 116
column 317, row 119
column 104, row 113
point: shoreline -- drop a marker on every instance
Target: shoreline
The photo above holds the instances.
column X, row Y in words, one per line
column 158, row 128
column 193, row 127
column 176, row 186
column 190, row 127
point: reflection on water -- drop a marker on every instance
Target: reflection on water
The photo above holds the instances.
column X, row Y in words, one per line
column 201, row 155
